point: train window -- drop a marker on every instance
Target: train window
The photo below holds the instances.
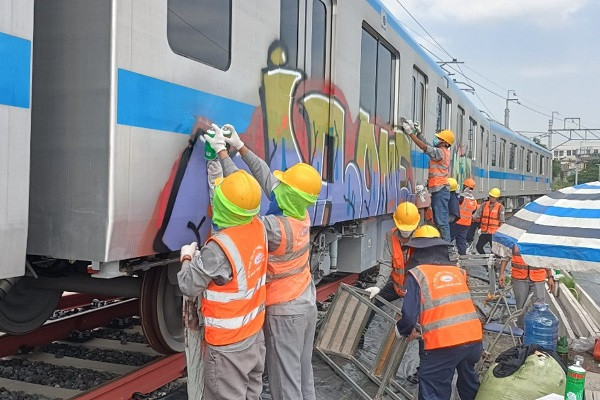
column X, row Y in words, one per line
column 512, row 156
column 534, row 164
column 502, row 153
column 460, row 127
column 376, row 77
column 443, row 111
column 529, row 156
column 288, row 30
column 418, row 106
column 520, row 158
column 319, row 32
column 493, row 150
column 196, row 34
column 542, row 171
column 472, row 139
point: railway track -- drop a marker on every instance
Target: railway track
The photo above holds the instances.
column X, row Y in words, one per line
column 94, row 348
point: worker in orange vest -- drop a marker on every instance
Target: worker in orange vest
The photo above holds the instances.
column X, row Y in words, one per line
column 467, row 206
column 491, row 216
column 229, row 272
column 525, row 280
column 390, row 280
column 439, row 171
column 291, row 313
column 438, row 300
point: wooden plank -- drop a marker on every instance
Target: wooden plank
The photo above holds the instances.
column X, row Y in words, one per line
column 590, row 305
column 577, row 314
column 42, row 390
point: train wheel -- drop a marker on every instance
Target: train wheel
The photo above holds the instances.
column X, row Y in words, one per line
column 25, row 309
column 161, row 311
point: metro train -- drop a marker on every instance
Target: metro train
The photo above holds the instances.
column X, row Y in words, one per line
column 104, row 174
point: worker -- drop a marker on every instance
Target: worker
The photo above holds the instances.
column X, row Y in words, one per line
column 467, row 206
column 439, row 169
column 453, row 203
column 229, row 271
column 491, row 216
column 390, row 281
column 525, row 280
column 438, row 299
column 291, row 312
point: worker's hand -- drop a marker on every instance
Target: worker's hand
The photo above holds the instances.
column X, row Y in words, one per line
column 397, row 332
column 417, row 126
column 373, row 291
column 188, row 252
column 501, row 280
column 551, row 284
column 231, row 136
column 413, row 335
column 217, row 142
column 408, row 126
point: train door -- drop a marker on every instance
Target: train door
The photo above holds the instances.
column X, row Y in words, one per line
column 306, row 33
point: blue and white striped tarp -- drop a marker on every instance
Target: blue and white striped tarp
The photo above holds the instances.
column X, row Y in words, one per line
column 560, row 230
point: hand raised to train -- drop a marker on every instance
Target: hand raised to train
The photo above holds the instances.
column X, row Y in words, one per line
column 188, row 251
column 231, row 136
column 407, row 126
column 215, row 138
column 417, row 126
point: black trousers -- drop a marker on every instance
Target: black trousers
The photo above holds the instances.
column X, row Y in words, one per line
column 484, row 239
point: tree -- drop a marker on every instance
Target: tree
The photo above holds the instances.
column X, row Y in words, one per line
column 537, row 141
column 556, row 170
column 587, row 174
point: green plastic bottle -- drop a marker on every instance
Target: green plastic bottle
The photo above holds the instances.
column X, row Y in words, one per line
column 575, row 380
column 209, row 152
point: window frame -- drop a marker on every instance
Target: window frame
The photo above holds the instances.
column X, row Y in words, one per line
column 443, row 102
column 420, row 93
column 188, row 56
column 494, row 155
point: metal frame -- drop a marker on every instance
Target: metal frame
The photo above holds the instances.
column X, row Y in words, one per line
column 391, row 350
column 480, row 260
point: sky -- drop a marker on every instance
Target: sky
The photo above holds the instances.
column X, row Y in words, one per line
column 547, row 51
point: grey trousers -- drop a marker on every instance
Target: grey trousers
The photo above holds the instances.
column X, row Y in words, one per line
column 289, row 340
column 235, row 375
column 522, row 288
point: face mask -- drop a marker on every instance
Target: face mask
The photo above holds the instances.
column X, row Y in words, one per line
column 405, row 234
column 436, row 141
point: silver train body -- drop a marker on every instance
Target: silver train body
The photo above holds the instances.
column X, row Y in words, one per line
column 120, row 88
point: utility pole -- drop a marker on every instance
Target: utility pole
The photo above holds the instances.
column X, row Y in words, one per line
column 550, row 125
column 506, row 110
column 598, row 165
column 576, row 172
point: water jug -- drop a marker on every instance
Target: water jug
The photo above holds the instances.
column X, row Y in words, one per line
column 541, row 327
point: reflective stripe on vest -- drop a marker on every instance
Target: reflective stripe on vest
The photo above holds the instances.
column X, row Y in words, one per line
column 467, row 207
column 490, row 218
column 520, row 269
column 448, row 317
column 398, row 273
column 288, row 269
column 235, row 311
column 439, row 170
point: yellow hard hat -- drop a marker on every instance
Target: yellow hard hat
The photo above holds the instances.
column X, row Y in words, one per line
column 453, row 184
column 406, row 217
column 241, row 189
column 302, row 177
column 470, row 183
column 495, row 192
column 426, row 231
column 446, row 135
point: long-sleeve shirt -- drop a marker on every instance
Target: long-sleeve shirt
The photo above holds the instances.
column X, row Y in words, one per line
column 261, row 171
column 411, row 306
column 385, row 262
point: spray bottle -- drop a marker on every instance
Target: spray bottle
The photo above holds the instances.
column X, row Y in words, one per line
column 575, row 380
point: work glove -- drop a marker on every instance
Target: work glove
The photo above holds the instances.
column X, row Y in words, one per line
column 408, row 126
column 231, row 137
column 397, row 332
column 417, row 126
column 217, row 142
column 373, row 291
column 188, row 252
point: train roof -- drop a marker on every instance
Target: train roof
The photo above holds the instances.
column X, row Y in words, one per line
column 498, row 127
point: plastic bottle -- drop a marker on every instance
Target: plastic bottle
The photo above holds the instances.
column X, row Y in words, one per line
column 209, row 152
column 575, row 380
column 562, row 348
column 541, row 327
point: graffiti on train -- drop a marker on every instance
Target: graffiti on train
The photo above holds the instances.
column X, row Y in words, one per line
column 365, row 167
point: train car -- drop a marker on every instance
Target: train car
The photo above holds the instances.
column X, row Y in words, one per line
column 123, row 89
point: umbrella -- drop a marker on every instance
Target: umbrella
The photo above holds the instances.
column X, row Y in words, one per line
column 560, row 230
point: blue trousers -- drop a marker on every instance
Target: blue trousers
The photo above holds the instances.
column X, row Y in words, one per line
column 459, row 233
column 439, row 206
column 437, row 370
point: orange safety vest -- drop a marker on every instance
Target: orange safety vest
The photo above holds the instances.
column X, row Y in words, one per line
column 398, row 273
column 288, row 269
column 448, row 317
column 490, row 218
column 235, row 311
column 439, row 170
column 466, row 208
column 520, row 270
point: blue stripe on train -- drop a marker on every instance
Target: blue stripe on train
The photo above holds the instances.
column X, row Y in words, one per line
column 563, row 211
column 558, row 251
column 15, row 70
column 152, row 103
